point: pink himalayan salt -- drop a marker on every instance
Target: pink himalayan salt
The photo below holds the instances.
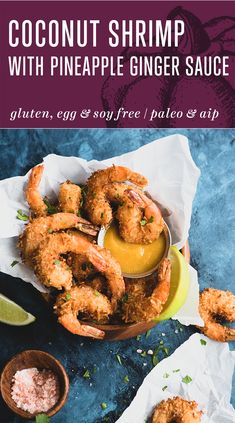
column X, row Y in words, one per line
column 35, row 390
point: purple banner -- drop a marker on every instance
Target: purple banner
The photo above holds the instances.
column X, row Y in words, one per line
column 111, row 64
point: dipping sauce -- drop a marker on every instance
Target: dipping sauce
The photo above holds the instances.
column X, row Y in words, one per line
column 134, row 258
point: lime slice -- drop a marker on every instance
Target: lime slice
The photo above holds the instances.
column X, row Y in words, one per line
column 179, row 284
column 12, row 314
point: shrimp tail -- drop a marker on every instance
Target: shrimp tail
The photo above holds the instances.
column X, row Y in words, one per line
column 72, row 324
column 33, row 197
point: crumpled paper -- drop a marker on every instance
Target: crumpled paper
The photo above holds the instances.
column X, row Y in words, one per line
column 172, row 175
column 210, row 367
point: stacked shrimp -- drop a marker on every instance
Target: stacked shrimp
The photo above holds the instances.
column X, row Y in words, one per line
column 63, row 253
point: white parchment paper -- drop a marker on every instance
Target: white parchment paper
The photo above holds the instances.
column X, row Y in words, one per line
column 211, row 368
column 172, row 175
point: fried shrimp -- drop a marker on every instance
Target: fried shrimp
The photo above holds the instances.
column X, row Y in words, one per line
column 216, row 306
column 140, row 219
column 70, row 196
column 85, row 300
column 33, row 196
column 36, row 231
column 53, row 270
column 178, row 410
column 142, row 305
column 97, row 204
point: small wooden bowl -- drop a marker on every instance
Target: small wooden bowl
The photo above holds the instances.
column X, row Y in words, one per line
column 40, row 360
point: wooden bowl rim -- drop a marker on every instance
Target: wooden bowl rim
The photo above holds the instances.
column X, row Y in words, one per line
column 61, row 372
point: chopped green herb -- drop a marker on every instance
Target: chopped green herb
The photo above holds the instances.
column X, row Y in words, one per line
column 124, row 298
column 14, row 263
column 57, row 262
column 86, row 374
column 68, row 296
column 203, row 342
column 126, row 379
column 97, row 293
column 176, row 371
column 164, row 388
column 103, row 405
column 155, row 360
column 166, row 350
column 148, row 333
column 161, row 342
column 166, row 375
column 105, row 419
column 143, row 354
column 50, row 231
column 50, row 208
column 187, row 379
column 42, row 418
column 138, row 338
column 21, row 216
column 151, row 219
column 119, row 359
column 143, row 222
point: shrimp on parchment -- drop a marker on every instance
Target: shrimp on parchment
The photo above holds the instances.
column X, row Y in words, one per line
column 216, row 306
column 177, row 410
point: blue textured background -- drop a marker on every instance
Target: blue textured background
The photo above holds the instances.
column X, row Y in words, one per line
column 212, row 239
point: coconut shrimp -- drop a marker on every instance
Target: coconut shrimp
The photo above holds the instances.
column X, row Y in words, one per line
column 140, row 219
column 70, row 196
column 97, row 205
column 145, row 299
column 36, row 231
column 88, row 301
column 178, row 410
column 214, row 306
column 33, row 196
column 53, row 270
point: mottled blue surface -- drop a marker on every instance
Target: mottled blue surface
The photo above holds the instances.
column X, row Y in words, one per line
column 212, row 239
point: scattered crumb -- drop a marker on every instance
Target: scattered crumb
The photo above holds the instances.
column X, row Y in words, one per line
column 150, row 352
column 139, row 351
column 176, row 331
column 35, row 390
column 163, row 334
column 144, row 364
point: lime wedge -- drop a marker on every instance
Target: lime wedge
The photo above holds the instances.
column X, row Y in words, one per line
column 12, row 314
column 179, row 284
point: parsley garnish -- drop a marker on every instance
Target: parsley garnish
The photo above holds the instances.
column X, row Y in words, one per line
column 103, row 405
column 86, row 374
column 143, row 354
column 50, row 208
column 124, row 298
column 126, row 379
column 57, row 262
column 119, row 359
column 14, row 263
column 151, row 219
column 68, row 296
column 22, row 216
column 166, row 375
column 143, row 222
column 203, row 342
column 176, row 371
column 148, row 333
column 97, row 293
column 42, row 418
column 187, row 379
column 164, row 388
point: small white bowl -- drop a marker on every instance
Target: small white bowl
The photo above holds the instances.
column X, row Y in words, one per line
column 167, row 234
